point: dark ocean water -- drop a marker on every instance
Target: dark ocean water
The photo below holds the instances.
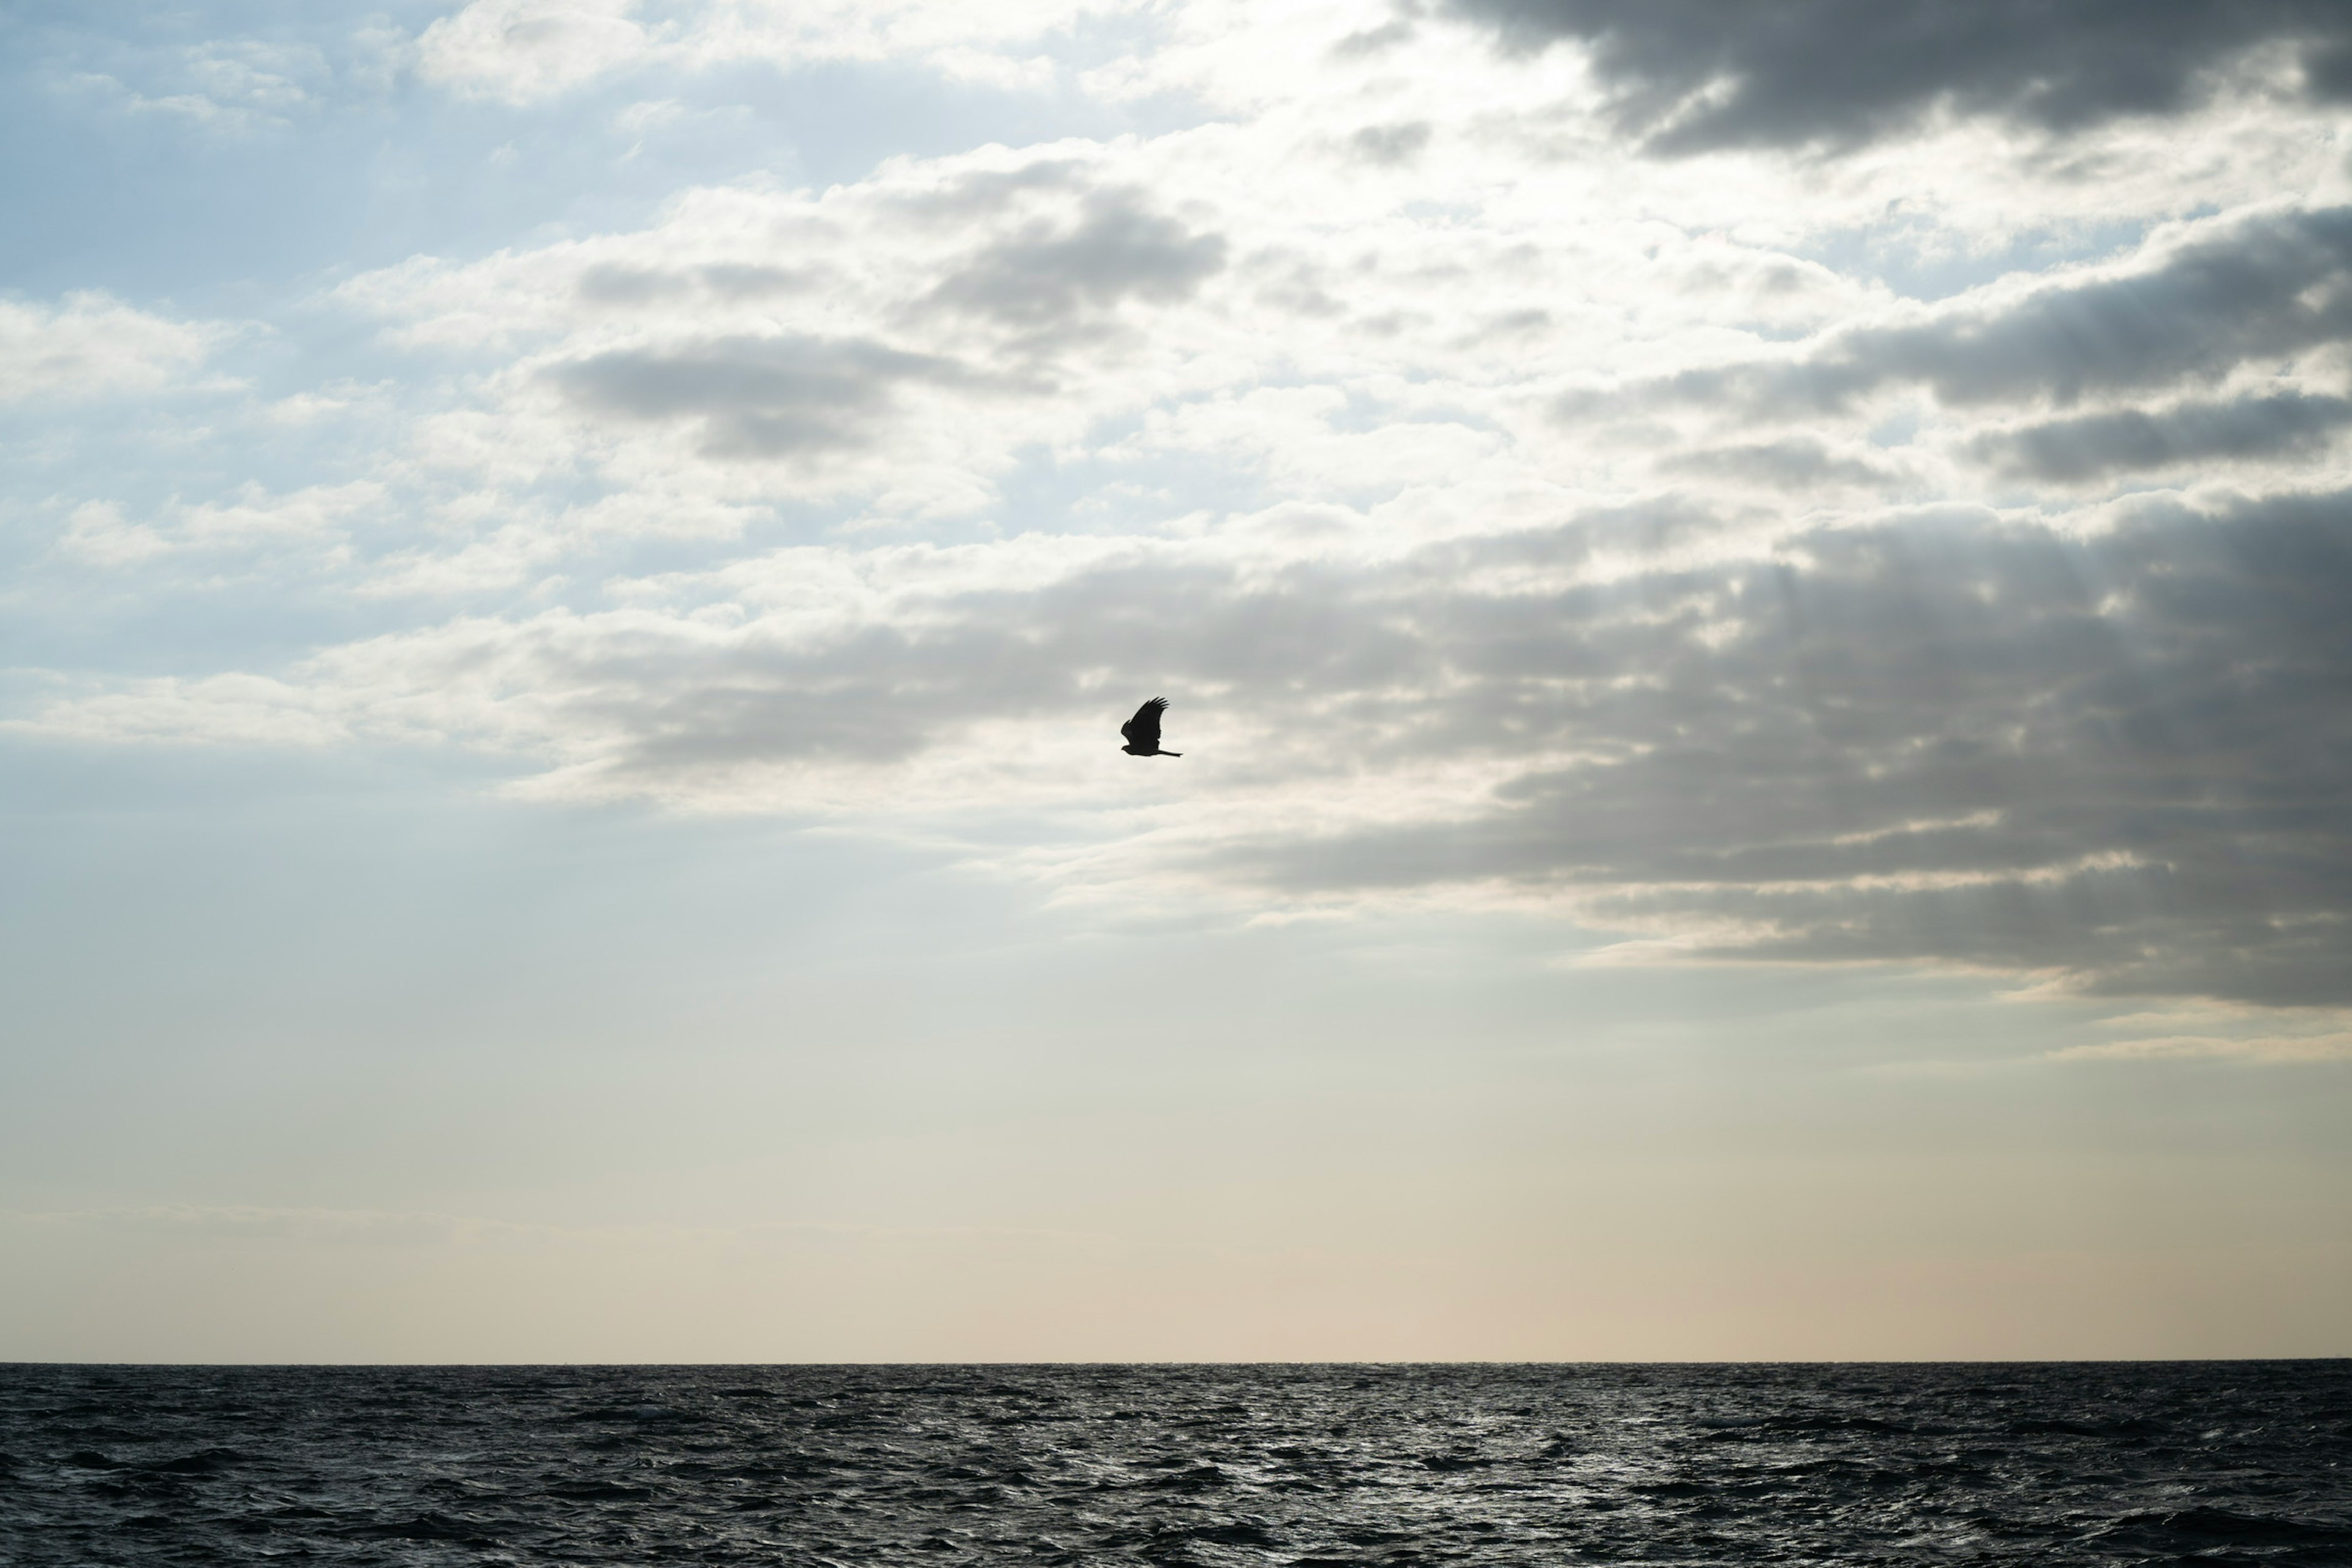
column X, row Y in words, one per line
column 2244, row 1462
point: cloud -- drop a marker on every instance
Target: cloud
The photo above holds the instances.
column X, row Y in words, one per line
column 2128, row 439
column 2327, row 1048
column 218, row 709
column 523, row 51
column 519, row 50
column 2264, row 285
column 2121, row 760
column 2124, row 759
column 1797, row 463
column 1041, row 278
column 614, row 284
column 98, row 532
column 1258, row 413
column 317, row 517
column 92, row 345
column 1693, row 77
column 897, row 344
column 763, row 397
column 1397, row 144
column 227, row 87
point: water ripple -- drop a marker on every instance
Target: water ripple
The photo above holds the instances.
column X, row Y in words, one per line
column 2109, row 1464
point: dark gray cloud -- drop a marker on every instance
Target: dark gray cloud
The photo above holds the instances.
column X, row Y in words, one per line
column 1799, row 462
column 2267, row 287
column 1046, row 277
column 1373, row 41
column 743, row 280
column 756, row 396
column 2068, row 450
column 1390, row 145
column 986, row 193
column 609, row 283
column 1695, row 74
column 2128, row 758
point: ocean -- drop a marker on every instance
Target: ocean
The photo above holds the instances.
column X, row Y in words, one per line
column 2101, row 1463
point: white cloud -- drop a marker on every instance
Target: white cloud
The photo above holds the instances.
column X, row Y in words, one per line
column 221, row 709
column 227, row 86
column 92, row 345
column 2204, row 1030
column 314, row 519
column 524, row 50
column 2329, row 1048
column 98, row 532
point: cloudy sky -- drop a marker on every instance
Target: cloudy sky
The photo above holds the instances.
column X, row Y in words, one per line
column 1756, row 606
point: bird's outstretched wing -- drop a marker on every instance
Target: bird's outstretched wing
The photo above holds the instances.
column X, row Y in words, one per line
column 1143, row 729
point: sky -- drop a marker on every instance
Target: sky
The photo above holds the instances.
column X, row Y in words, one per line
column 1756, row 605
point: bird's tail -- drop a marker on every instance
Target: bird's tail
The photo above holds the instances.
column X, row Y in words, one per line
column 1171, row 753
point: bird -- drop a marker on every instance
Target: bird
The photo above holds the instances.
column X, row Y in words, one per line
column 1142, row 732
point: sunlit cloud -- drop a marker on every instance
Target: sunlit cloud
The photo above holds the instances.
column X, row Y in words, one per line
column 2334, row 1047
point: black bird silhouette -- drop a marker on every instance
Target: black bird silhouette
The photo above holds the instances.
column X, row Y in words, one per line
column 1142, row 732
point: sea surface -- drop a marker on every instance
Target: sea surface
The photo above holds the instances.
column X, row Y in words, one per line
column 2229, row 1462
